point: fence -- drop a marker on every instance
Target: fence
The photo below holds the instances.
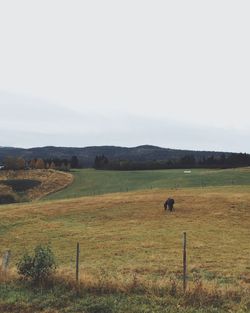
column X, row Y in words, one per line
column 7, row 258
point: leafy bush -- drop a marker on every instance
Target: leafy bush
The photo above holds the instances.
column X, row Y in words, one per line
column 38, row 267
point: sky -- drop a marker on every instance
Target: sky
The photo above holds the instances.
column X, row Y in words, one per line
column 169, row 73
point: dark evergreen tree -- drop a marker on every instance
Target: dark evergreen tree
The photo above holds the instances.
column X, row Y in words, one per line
column 101, row 162
column 74, row 162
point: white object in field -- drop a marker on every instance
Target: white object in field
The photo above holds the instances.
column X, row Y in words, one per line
column 187, row 172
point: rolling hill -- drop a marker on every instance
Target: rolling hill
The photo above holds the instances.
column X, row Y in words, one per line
column 87, row 155
column 131, row 252
column 88, row 182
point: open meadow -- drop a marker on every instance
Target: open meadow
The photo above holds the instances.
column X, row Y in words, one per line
column 89, row 182
column 131, row 249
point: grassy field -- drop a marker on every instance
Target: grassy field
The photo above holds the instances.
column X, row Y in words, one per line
column 131, row 250
column 91, row 182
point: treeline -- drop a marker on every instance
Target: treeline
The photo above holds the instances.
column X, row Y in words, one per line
column 19, row 163
column 101, row 162
column 232, row 160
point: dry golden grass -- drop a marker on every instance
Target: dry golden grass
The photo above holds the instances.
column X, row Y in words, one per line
column 6, row 190
column 51, row 181
column 131, row 252
column 105, row 282
column 8, row 276
column 124, row 235
column 200, row 294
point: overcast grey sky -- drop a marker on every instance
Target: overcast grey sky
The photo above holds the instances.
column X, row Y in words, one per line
column 168, row 73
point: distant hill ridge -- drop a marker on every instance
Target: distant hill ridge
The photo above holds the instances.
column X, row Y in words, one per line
column 86, row 155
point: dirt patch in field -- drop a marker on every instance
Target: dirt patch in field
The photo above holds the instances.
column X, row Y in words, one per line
column 20, row 185
column 7, row 195
column 35, row 184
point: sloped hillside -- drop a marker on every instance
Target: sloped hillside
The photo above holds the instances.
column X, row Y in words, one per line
column 32, row 184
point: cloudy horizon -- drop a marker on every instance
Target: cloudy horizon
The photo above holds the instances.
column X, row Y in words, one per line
column 170, row 74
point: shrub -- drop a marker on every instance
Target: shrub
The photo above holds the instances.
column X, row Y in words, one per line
column 38, row 267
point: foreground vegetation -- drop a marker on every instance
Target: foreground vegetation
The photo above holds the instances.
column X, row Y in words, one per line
column 131, row 251
column 91, row 182
column 65, row 297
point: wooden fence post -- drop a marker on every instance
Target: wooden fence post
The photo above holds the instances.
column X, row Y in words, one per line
column 184, row 261
column 77, row 261
column 6, row 260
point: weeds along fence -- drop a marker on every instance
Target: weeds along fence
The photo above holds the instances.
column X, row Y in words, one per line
column 72, row 287
column 103, row 282
column 75, row 264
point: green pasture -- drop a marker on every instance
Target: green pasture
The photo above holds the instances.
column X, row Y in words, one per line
column 89, row 182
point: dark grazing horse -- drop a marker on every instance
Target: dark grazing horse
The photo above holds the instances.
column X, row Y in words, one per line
column 169, row 204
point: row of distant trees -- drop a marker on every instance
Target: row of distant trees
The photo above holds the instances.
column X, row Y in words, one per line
column 102, row 162
column 19, row 163
column 188, row 161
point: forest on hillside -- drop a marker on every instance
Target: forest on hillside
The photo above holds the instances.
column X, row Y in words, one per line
column 188, row 161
